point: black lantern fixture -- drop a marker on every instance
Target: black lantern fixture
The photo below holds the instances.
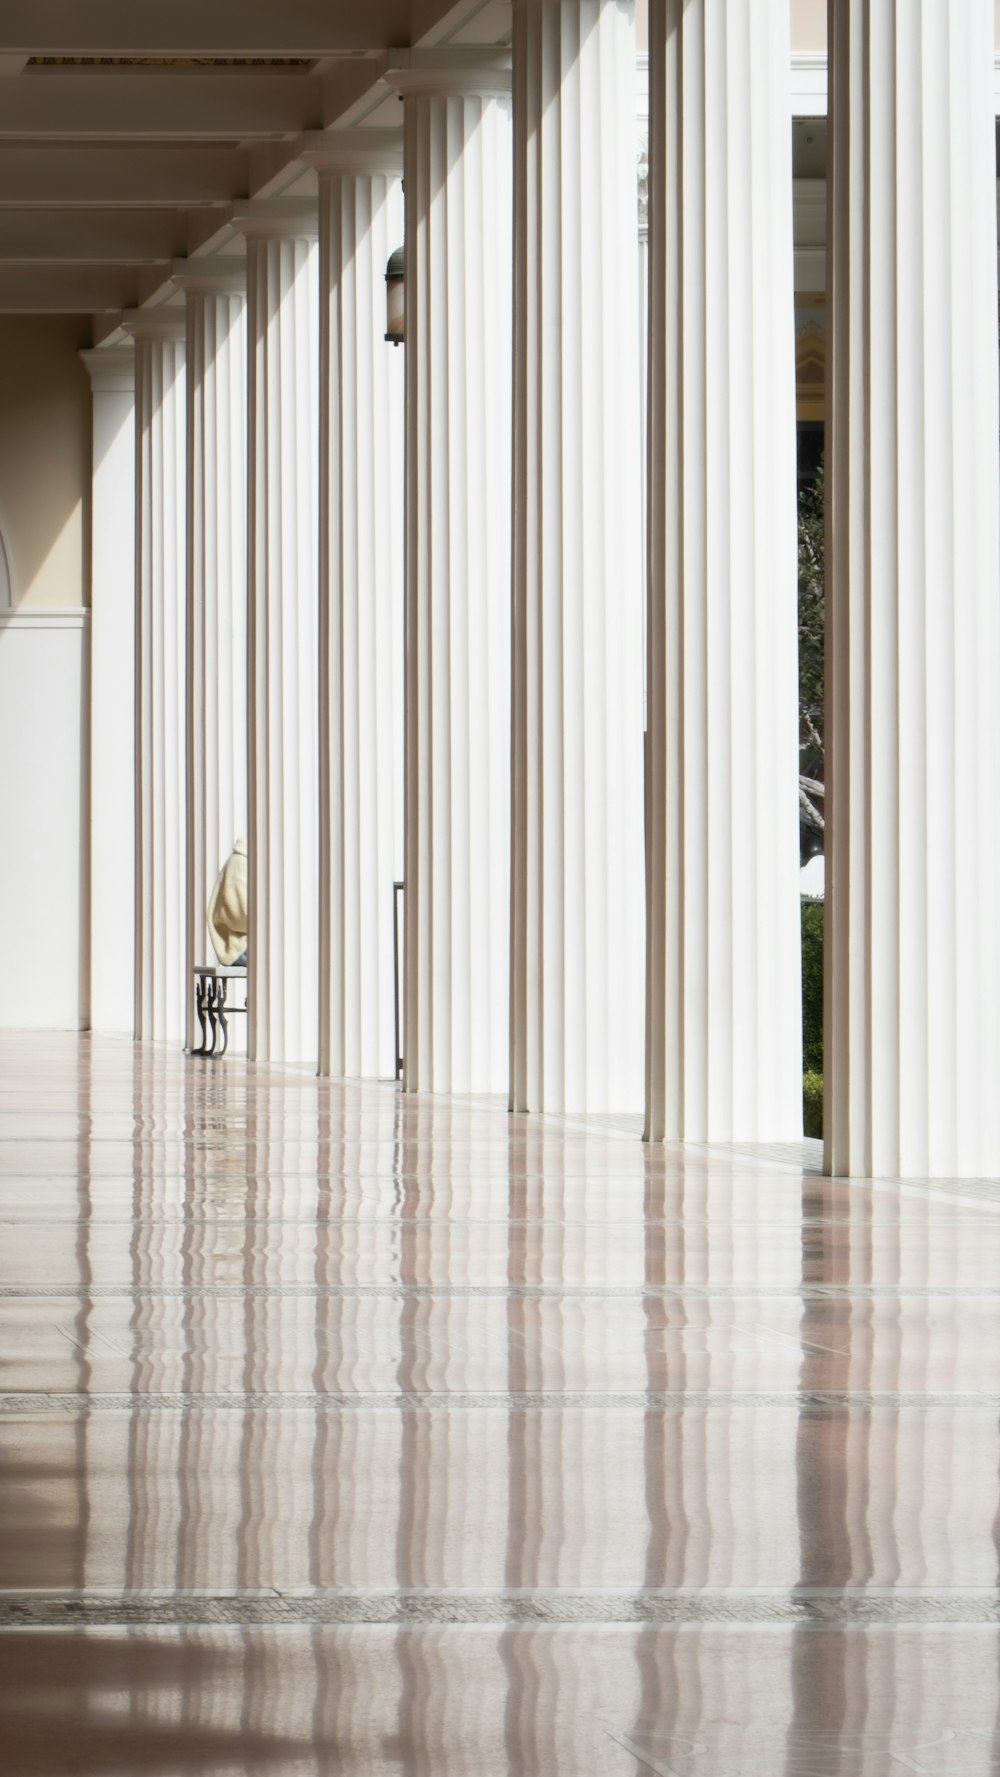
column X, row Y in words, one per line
column 395, row 298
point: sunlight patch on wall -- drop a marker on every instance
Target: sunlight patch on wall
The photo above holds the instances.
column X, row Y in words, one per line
column 56, row 583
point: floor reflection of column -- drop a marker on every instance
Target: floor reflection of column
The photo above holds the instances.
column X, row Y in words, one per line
column 155, row 1158
column 907, row 1485
column 663, row 1244
column 875, row 1343
column 833, row 1459
column 996, row 1582
column 414, row 1197
column 523, row 1730
column 278, row 1323
column 542, row 1444
column 331, row 1466
column 656, row 1655
column 81, row 1325
column 193, row 1453
column 345, row 1460
column 194, row 1427
column 151, row 1456
column 440, row 1473
column 696, row 1478
column 140, row 1149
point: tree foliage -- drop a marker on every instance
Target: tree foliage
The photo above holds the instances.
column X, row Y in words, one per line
column 812, row 498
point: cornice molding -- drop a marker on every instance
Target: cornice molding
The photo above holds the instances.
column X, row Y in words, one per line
column 211, row 276
column 74, row 617
column 353, row 151
column 281, row 218
column 111, row 369
column 154, row 323
column 414, row 72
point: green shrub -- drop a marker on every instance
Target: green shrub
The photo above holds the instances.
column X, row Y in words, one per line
column 812, row 1105
column 812, row 987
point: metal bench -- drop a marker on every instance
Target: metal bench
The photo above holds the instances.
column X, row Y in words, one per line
column 213, row 1006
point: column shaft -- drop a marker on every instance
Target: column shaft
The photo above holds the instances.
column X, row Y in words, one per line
column 361, row 623
column 912, row 1045
column 458, row 184
column 160, row 480
column 577, row 914
column 216, row 598
column 112, row 691
column 282, row 639
column 722, row 938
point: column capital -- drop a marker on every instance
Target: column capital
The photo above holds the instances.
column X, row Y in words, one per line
column 111, row 369
column 413, row 72
column 154, row 323
column 212, row 276
column 282, row 218
column 353, row 151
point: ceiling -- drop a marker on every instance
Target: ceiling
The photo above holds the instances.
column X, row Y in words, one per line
column 129, row 128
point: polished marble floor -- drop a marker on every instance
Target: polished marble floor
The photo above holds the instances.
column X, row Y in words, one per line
column 341, row 1432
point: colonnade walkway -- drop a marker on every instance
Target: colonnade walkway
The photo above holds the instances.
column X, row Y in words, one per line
column 343, row 1431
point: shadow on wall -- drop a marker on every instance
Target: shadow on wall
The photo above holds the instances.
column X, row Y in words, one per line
column 44, row 459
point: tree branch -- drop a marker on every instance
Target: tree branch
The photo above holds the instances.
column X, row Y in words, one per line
column 813, row 812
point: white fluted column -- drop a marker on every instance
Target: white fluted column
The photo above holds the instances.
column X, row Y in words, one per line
column 913, row 607
column 642, row 205
column 215, row 295
column 457, row 136
column 283, row 629
column 724, row 1044
column 160, row 532
column 112, row 690
column 577, row 829
column 361, row 600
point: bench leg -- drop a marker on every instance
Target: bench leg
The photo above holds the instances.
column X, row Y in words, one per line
column 221, row 1027
column 202, row 996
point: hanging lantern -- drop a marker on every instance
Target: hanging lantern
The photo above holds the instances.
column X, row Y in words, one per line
column 395, row 298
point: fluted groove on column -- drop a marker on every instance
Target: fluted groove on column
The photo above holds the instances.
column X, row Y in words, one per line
column 724, row 1051
column 912, row 1039
column 458, row 195
column 112, row 755
column 282, row 631
column 361, row 610
column 160, row 481
column 577, row 827
column 216, row 589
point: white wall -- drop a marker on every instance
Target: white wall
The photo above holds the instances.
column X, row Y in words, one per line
column 42, row 906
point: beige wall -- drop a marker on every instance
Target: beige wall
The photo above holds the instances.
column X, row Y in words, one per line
column 44, row 458
column 809, row 25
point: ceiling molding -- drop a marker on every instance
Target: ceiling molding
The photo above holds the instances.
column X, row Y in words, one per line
column 63, row 176
column 67, row 290
column 145, row 106
column 191, row 28
column 91, row 237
